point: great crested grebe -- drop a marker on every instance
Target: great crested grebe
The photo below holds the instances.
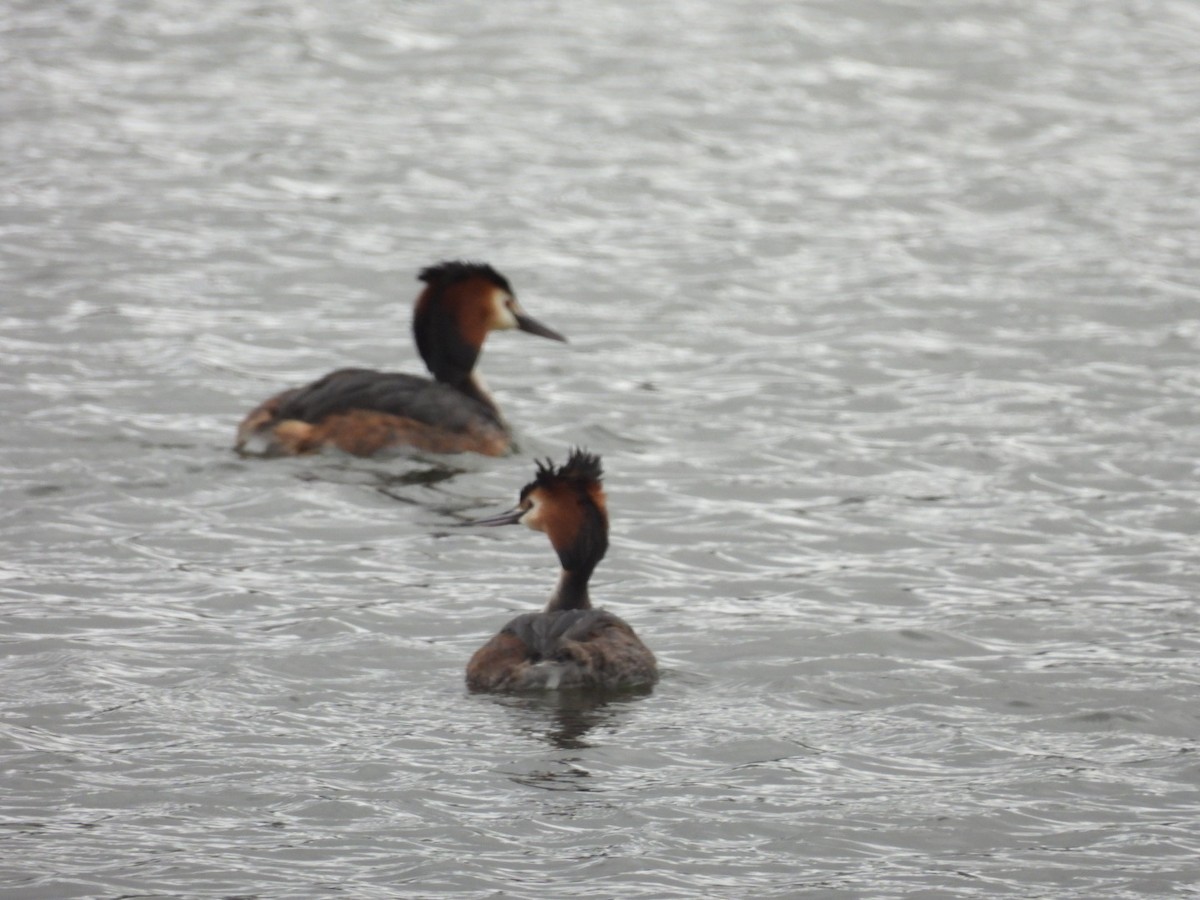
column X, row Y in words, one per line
column 569, row 645
column 362, row 411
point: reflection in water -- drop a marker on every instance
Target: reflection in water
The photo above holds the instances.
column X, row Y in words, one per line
column 392, row 482
column 563, row 719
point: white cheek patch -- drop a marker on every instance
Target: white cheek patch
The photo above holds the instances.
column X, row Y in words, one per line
column 503, row 318
column 533, row 515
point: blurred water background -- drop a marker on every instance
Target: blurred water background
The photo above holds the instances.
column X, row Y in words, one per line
column 883, row 316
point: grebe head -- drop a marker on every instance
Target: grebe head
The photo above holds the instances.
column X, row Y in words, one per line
column 461, row 303
column 566, row 503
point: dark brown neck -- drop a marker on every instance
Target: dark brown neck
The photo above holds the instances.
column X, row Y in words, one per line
column 580, row 558
column 447, row 354
column 571, row 592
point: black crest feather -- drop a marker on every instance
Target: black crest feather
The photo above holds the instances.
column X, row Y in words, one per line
column 581, row 467
column 444, row 274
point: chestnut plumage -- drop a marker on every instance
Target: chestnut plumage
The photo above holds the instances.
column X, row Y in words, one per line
column 364, row 411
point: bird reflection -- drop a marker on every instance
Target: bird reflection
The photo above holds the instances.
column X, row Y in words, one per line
column 563, row 719
column 396, row 485
column 386, row 481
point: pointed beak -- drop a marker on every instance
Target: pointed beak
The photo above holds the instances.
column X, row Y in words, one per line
column 526, row 322
column 512, row 517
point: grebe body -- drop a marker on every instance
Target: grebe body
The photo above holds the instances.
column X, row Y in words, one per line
column 363, row 411
column 570, row 644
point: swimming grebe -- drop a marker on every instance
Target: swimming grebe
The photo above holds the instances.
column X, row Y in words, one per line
column 569, row 645
column 362, row 411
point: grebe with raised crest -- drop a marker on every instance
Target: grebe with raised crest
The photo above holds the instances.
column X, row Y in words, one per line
column 570, row 644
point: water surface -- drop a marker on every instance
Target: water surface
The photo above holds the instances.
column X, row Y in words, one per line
column 883, row 316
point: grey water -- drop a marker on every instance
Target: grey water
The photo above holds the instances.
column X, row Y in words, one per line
column 883, row 315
